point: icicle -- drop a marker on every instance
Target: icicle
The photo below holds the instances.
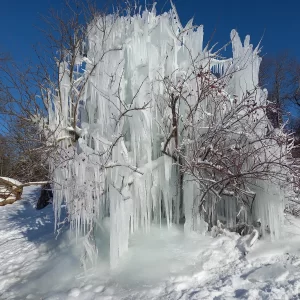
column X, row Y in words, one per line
column 116, row 167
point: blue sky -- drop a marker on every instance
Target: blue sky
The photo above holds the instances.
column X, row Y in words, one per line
column 278, row 20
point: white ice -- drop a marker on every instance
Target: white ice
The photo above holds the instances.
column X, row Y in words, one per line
column 135, row 184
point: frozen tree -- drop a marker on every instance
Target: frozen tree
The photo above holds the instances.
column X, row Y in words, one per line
column 223, row 142
column 146, row 133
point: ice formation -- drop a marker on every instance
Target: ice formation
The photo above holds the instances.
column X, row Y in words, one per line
column 111, row 136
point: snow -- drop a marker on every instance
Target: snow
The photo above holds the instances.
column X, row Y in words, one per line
column 163, row 264
column 11, row 180
column 4, row 190
column 9, row 198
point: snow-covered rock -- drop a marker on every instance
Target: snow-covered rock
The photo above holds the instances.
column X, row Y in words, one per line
column 10, row 190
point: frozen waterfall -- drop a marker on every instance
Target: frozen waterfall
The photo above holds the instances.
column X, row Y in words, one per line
column 111, row 121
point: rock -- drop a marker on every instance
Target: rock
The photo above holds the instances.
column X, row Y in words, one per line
column 10, row 190
column 45, row 197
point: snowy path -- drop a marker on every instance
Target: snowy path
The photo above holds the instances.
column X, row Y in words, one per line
column 21, row 231
column 162, row 265
column 29, row 252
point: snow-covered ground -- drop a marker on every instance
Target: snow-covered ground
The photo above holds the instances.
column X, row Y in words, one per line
column 163, row 264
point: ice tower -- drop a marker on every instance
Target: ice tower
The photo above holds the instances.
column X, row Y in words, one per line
column 115, row 167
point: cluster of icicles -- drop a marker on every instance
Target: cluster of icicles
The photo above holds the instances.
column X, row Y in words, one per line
column 136, row 185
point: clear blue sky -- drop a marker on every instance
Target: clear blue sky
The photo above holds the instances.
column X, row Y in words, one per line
column 279, row 20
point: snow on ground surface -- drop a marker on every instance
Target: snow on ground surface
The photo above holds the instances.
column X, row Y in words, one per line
column 163, row 264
